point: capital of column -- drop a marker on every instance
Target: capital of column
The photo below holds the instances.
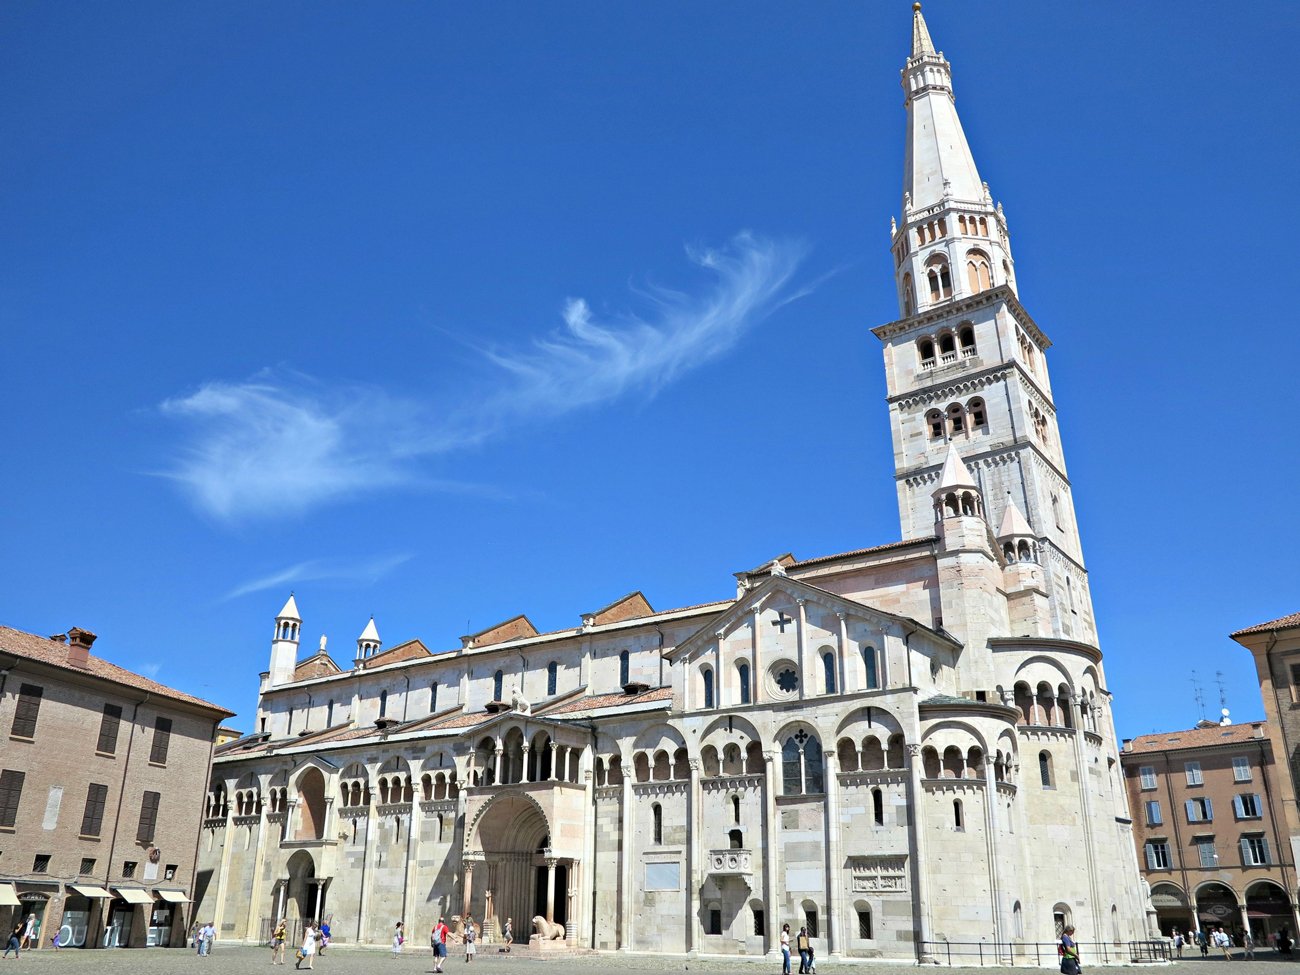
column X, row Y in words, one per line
column 913, row 749
column 551, row 862
column 841, row 616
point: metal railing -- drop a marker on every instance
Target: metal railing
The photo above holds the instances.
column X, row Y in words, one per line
column 1044, row 953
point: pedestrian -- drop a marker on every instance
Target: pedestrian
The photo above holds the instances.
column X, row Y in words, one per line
column 307, row 953
column 785, row 949
column 54, row 941
column 469, row 939
column 29, row 932
column 1221, row 940
column 438, row 942
column 1284, row 941
column 399, row 939
column 801, row 943
column 1248, row 943
column 1177, row 939
column 1203, row 942
column 15, row 941
column 812, row 958
column 508, row 935
column 278, row 938
column 208, row 935
column 1068, row 949
column 324, row 936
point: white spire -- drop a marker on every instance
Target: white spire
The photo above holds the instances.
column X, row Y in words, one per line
column 955, row 474
column 370, row 634
column 1013, row 523
column 939, row 161
column 290, row 611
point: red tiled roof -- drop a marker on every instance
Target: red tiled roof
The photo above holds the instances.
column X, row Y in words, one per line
column 599, row 701
column 1286, row 622
column 1169, row 741
column 54, row 653
column 863, row 551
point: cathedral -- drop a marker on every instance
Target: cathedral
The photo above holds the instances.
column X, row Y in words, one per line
column 897, row 746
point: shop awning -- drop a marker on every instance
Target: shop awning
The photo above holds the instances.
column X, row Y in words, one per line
column 134, row 895
column 90, row 890
column 173, row 896
column 7, row 896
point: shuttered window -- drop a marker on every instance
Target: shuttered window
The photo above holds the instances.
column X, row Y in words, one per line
column 92, row 820
column 11, row 791
column 162, row 739
column 148, row 817
column 1254, row 851
column 108, row 726
column 27, row 711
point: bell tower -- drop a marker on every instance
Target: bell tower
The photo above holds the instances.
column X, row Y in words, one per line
column 965, row 364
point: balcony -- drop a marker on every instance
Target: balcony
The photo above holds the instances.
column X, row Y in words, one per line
column 731, row 863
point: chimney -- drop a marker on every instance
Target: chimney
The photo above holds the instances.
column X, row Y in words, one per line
column 1127, row 745
column 79, row 643
column 1257, row 729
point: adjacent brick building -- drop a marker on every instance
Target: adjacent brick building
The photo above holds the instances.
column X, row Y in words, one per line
column 102, row 780
column 1210, row 828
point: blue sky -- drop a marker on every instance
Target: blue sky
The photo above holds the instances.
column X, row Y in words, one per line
column 448, row 312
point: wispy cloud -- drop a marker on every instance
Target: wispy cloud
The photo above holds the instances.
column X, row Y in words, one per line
column 282, row 443
column 317, row 570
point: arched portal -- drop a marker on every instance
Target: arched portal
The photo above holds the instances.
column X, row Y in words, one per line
column 1217, row 904
column 311, row 805
column 508, row 853
column 1268, row 909
column 300, row 888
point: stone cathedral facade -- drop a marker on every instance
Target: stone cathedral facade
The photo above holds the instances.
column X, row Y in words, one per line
column 895, row 746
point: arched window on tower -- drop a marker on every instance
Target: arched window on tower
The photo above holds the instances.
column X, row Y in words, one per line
column 947, row 348
column 624, row 675
column 1045, row 770
column 742, row 677
column 966, row 336
column 498, row 685
column 878, row 807
column 939, row 279
column 706, row 675
column 925, row 349
column 956, row 419
column 909, row 296
column 828, row 671
column 958, row 819
column 978, row 416
column 657, row 812
column 934, row 424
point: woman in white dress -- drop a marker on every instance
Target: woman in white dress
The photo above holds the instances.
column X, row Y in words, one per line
column 308, row 949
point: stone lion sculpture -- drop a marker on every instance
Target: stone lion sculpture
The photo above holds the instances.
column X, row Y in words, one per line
column 547, row 930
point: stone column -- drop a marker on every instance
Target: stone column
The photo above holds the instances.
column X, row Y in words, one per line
column 414, row 824
column 315, row 910
column 718, row 682
column 625, row 856
column 695, row 827
column 497, row 766
column 569, row 926
column 523, row 775
column 801, row 635
column 550, row 889
column 469, row 888
column 771, row 856
column 755, row 678
column 224, row 874
column 259, row 864
column 1085, row 808
column 555, row 768
column 834, row 864
column 992, row 821
column 587, row 889
column 368, row 858
column 916, row 829
column 842, row 652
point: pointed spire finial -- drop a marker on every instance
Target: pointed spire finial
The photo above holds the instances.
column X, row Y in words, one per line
column 921, row 43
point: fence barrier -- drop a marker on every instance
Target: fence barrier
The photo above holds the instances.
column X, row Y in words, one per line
column 1042, row 953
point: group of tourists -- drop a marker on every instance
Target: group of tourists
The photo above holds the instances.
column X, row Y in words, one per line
column 1217, row 936
column 315, row 939
column 802, row 944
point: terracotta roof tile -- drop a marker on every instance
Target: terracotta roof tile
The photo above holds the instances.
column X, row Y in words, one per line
column 599, row 701
column 54, row 653
column 1168, row 741
column 1286, row 622
column 863, row 551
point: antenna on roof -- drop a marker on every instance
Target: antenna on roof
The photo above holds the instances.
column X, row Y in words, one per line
column 1198, row 695
column 1223, row 695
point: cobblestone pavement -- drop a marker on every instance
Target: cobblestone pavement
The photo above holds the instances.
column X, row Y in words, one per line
column 342, row 960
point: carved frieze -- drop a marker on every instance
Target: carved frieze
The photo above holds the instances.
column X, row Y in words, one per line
column 882, row 874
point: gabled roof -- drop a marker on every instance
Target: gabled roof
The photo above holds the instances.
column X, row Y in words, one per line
column 955, row 473
column 516, row 628
column 631, row 606
column 319, row 664
column 1013, row 523
column 1282, row 623
column 795, row 587
column 1169, row 741
column 410, row 650
column 605, row 702
column 290, row 610
column 54, row 653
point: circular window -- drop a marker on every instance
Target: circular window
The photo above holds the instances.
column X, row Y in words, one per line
column 783, row 679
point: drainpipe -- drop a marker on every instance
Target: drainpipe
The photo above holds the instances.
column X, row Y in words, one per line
column 661, row 655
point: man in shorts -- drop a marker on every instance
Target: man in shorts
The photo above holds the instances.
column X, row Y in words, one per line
column 438, row 942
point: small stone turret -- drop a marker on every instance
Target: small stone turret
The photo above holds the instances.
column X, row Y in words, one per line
column 1027, row 602
column 284, row 645
column 368, row 643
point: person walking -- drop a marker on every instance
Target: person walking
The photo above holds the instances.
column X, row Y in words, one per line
column 324, row 937
column 1177, row 939
column 1068, row 949
column 801, row 943
column 438, row 942
column 470, row 937
column 508, row 935
column 206, row 937
column 278, row 937
column 1203, row 942
column 1248, row 945
column 307, row 953
column 1222, row 941
column 29, row 932
column 399, row 939
column 785, row 949
column 15, row 941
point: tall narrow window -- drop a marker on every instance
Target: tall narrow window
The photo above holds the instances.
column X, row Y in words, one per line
column 864, row 924
column 958, row 819
column 742, row 673
column 329, row 715
column 878, row 807
column 498, row 685
column 162, row 739
column 148, row 817
column 11, row 793
column 869, row 664
column 1045, row 770
column 108, row 728
column 624, row 669
column 383, row 704
column 828, row 671
column 978, row 415
column 552, row 677
column 26, row 711
column 657, row 813
column 433, row 697
column 92, row 819
column 934, row 424
column 707, row 676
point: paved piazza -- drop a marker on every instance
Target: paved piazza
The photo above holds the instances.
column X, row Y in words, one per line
column 239, row 960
